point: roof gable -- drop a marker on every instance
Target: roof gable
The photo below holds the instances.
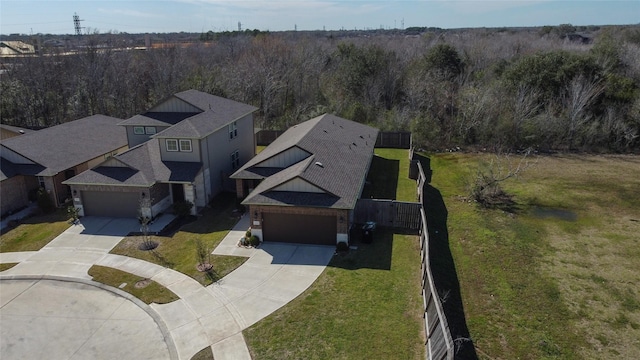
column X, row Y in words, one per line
column 298, row 185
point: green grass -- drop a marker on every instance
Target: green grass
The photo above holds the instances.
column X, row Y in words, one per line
column 35, row 232
column 367, row 304
column 359, row 308
column 178, row 252
column 549, row 287
column 151, row 293
column 7, row 266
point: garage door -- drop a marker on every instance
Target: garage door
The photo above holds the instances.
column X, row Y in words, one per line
column 111, row 204
column 303, row 229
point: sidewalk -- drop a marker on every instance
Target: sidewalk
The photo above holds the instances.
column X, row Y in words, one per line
column 212, row 316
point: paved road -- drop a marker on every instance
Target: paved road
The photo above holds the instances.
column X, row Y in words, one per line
column 212, row 316
column 47, row 319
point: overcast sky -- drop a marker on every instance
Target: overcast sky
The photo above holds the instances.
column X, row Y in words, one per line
column 140, row 16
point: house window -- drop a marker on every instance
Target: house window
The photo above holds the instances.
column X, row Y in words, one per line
column 138, row 130
column 41, row 181
column 185, row 145
column 172, row 145
column 150, row 130
column 235, row 159
column 233, row 130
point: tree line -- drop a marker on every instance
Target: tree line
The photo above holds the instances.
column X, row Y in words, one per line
column 480, row 88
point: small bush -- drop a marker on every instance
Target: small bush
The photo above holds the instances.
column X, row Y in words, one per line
column 248, row 234
column 254, row 240
column 44, row 201
column 182, row 209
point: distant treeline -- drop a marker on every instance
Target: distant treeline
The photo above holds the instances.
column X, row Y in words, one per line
column 558, row 87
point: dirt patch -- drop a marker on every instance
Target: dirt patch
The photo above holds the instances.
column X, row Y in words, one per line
column 142, row 283
column 204, row 267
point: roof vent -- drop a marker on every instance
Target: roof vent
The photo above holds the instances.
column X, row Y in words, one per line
column 318, row 163
column 21, row 131
column 354, row 144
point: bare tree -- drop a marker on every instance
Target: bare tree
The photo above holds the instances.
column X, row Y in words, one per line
column 486, row 188
column 580, row 95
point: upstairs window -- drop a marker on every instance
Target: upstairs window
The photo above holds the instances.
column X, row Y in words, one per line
column 235, row 160
column 233, row 130
column 138, row 130
column 150, row 130
column 185, row 145
column 172, row 145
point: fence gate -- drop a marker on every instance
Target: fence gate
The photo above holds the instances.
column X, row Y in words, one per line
column 388, row 213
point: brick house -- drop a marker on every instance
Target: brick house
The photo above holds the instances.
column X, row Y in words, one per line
column 47, row 157
column 182, row 149
column 304, row 186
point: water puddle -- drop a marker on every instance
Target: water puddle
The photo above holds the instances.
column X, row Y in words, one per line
column 554, row 213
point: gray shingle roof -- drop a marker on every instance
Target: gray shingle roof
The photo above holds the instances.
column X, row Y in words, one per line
column 64, row 146
column 145, row 168
column 341, row 153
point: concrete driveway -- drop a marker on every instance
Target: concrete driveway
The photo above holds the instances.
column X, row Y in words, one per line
column 212, row 316
column 46, row 319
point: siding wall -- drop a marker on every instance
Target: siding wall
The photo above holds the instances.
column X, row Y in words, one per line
column 134, row 139
column 193, row 156
column 299, row 185
column 14, row 157
column 285, row 158
column 216, row 152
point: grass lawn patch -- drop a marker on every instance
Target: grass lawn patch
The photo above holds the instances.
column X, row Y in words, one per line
column 35, row 232
column 146, row 290
column 557, row 279
column 178, row 252
column 7, row 266
column 388, row 176
column 204, row 354
column 366, row 305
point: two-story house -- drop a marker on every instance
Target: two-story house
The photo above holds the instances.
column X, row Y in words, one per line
column 182, row 149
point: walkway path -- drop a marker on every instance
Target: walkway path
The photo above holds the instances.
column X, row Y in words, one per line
column 214, row 315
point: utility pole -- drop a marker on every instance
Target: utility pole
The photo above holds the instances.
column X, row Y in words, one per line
column 76, row 24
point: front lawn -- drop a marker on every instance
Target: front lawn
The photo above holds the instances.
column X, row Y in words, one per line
column 146, row 290
column 35, row 232
column 367, row 304
column 178, row 252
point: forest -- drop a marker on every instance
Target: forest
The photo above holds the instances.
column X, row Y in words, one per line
column 560, row 88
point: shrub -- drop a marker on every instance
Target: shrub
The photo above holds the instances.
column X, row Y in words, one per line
column 44, row 201
column 254, row 240
column 342, row 246
column 73, row 212
column 182, row 208
column 248, row 234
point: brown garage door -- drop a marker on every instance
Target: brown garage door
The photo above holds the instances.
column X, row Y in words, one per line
column 111, row 204
column 303, row 229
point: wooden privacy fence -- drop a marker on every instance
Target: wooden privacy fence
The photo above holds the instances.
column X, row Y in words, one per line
column 396, row 140
column 439, row 343
column 388, row 213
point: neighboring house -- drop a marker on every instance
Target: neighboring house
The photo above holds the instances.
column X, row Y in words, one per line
column 47, row 157
column 16, row 48
column 304, row 186
column 182, row 149
column 8, row 131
